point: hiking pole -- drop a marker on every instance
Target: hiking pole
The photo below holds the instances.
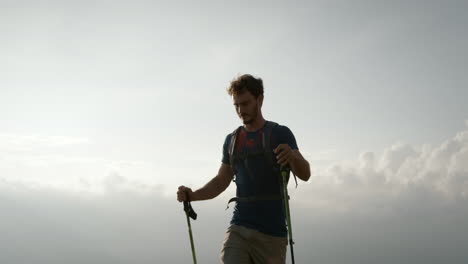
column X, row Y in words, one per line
column 284, row 175
column 190, row 213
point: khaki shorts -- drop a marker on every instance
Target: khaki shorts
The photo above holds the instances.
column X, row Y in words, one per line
column 247, row 246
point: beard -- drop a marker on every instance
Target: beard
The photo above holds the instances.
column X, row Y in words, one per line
column 250, row 117
column 247, row 121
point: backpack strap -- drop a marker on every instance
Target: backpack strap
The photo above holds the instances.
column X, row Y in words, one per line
column 266, row 141
column 232, row 146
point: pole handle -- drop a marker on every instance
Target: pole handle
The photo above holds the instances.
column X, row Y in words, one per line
column 188, row 208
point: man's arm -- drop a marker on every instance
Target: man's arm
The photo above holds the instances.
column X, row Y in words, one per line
column 212, row 189
column 300, row 166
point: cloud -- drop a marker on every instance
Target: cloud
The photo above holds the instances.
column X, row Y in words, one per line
column 15, row 142
column 53, row 225
column 66, row 162
column 37, row 150
column 400, row 170
column 406, row 205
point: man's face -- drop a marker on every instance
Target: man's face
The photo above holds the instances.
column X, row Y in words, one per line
column 247, row 106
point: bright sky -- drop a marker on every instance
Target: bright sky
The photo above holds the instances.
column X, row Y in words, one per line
column 105, row 96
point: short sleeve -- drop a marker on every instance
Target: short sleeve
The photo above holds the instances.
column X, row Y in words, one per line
column 226, row 158
column 287, row 137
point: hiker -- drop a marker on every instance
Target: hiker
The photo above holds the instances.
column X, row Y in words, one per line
column 252, row 157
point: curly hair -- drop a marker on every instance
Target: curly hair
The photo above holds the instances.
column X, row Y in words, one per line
column 244, row 83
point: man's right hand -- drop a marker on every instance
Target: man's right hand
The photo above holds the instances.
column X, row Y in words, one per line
column 183, row 193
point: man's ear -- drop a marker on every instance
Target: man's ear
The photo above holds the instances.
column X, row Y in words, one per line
column 260, row 100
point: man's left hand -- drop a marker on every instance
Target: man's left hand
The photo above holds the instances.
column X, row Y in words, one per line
column 284, row 154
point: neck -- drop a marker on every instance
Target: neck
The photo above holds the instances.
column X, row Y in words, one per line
column 255, row 125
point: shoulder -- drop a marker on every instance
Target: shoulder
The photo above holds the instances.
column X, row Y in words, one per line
column 228, row 137
column 281, row 130
column 283, row 135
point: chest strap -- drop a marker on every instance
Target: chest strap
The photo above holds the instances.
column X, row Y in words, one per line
column 255, row 199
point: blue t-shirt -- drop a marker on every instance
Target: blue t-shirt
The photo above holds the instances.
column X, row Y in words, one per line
column 257, row 178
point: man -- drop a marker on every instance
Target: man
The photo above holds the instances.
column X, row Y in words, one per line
column 258, row 231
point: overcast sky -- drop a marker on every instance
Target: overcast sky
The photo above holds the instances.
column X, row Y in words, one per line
column 107, row 106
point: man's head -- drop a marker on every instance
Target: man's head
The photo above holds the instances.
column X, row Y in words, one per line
column 247, row 94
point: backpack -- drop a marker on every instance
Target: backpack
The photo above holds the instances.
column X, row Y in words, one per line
column 266, row 151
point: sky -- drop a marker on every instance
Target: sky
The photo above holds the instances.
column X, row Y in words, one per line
column 106, row 107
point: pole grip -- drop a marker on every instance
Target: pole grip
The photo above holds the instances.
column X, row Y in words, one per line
column 189, row 210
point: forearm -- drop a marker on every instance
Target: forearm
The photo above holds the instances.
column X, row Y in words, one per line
column 212, row 189
column 300, row 166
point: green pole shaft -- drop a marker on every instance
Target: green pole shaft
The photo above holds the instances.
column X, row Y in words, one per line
column 191, row 239
column 284, row 175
